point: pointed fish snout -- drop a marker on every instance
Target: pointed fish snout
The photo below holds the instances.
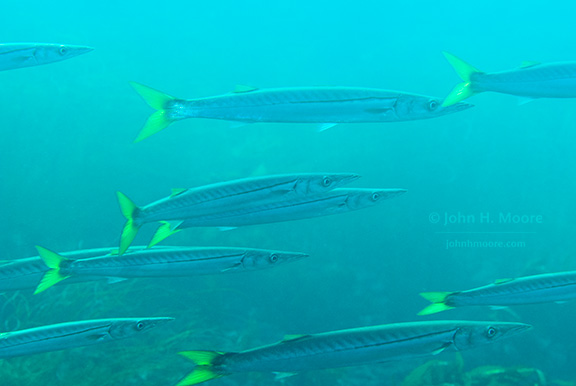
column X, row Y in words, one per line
column 159, row 321
column 296, row 255
column 519, row 327
column 353, row 176
column 389, row 193
column 79, row 50
column 460, row 106
column 346, row 178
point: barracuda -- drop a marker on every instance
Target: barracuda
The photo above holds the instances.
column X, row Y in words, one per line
column 185, row 203
column 551, row 287
column 532, row 80
column 350, row 348
column 333, row 202
column 326, row 106
column 162, row 262
column 26, row 273
column 18, row 55
column 74, row 334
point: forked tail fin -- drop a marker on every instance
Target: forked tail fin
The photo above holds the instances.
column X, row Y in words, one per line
column 130, row 212
column 204, row 370
column 53, row 276
column 159, row 101
column 438, row 300
column 465, row 89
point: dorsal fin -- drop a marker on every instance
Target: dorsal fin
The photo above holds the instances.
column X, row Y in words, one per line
column 177, row 192
column 291, row 338
column 240, row 88
column 502, row 281
column 529, row 63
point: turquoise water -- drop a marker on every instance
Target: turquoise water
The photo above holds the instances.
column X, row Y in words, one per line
column 68, row 128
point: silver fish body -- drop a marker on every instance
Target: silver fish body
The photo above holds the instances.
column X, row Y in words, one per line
column 227, row 196
column 313, row 105
column 26, row 273
column 351, row 347
column 74, row 334
column 236, row 193
column 548, row 80
column 368, row 345
column 19, row 55
column 173, row 262
column 334, row 202
column 551, row 287
column 321, row 105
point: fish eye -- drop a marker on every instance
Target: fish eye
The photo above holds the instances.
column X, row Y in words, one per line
column 432, row 105
column 273, row 258
column 375, row 196
column 327, row 181
column 490, row 332
column 63, row 51
column 140, row 326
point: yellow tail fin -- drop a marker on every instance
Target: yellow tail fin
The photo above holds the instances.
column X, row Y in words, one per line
column 129, row 210
column 204, row 370
column 53, row 276
column 159, row 101
column 163, row 232
column 462, row 90
column 438, row 300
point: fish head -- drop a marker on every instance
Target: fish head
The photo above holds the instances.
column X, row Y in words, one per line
column 479, row 333
column 48, row 53
column 363, row 198
column 320, row 183
column 260, row 259
column 122, row 328
column 411, row 107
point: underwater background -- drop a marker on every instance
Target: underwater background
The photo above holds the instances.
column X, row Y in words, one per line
column 66, row 148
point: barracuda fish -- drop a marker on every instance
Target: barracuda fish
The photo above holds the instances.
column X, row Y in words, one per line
column 26, row 273
column 162, row 262
column 326, row 106
column 333, row 202
column 74, row 334
column 532, row 80
column 550, row 287
column 18, row 55
column 185, row 203
column 350, row 348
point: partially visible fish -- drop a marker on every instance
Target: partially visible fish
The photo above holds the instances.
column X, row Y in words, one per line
column 73, row 334
column 352, row 347
column 545, row 288
column 337, row 201
column 18, row 55
column 185, row 203
column 531, row 80
column 162, row 262
column 325, row 106
column 26, row 273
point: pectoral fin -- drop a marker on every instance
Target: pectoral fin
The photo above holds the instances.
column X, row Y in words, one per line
column 441, row 348
column 278, row 376
column 325, row 126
